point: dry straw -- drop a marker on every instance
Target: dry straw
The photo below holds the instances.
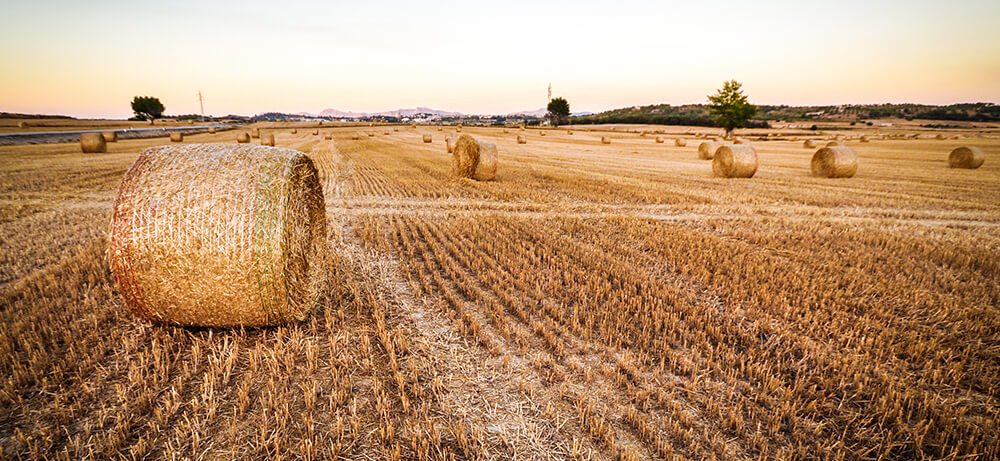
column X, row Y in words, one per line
column 735, row 161
column 267, row 139
column 315, row 132
column 328, row 137
column 218, row 235
column 541, row 133
column 588, row 130
column 605, row 140
column 966, row 157
column 506, row 130
column 110, row 136
column 243, row 138
column 706, row 150
column 521, row 139
column 472, row 158
column 809, row 144
column 740, row 141
column 659, row 139
column 835, row 162
column 211, row 130
column 294, row 130
column 680, row 142
column 385, row 133
column 836, row 144
column 427, row 138
column 939, row 137
column 863, row 139
column 93, row 143
column 371, row 134
column 176, row 136
column 255, row 133
column 22, row 125
column 449, row 144
column 356, row 136
column 440, row 128
column 569, row 132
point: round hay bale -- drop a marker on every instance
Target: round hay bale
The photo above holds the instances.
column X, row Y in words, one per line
column 680, row 142
column 863, row 139
column 735, row 161
column 458, row 128
column 176, row 136
column 110, row 136
column 385, row 133
column 966, row 157
column 371, row 134
column 835, row 162
column 440, row 128
column 449, row 144
column 836, row 144
column 939, row 137
column 295, row 131
column 506, row 130
column 740, row 141
column 659, row 139
column 605, row 140
column 328, row 137
column 190, row 122
column 521, row 139
column 521, row 128
column 243, row 138
column 809, row 144
column 356, row 136
column 413, row 125
column 267, row 139
column 211, row 130
column 218, row 235
column 315, row 132
column 394, row 130
column 541, row 133
column 427, row 138
column 371, row 124
column 588, row 130
column 472, row 158
column 93, row 143
column 569, row 132
column 706, row 150
column 255, row 133
column 22, row 125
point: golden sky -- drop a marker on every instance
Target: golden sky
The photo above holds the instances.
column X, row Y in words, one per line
column 89, row 59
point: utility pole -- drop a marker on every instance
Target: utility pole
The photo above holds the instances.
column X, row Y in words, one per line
column 550, row 93
column 202, row 104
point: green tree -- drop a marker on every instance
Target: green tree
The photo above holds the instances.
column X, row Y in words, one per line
column 730, row 107
column 147, row 107
column 558, row 111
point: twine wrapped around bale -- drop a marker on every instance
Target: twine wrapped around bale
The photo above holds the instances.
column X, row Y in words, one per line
column 521, row 139
column 809, row 144
column 680, row 142
column 449, row 144
column 243, row 138
column 255, row 133
column 605, row 140
column 110, row 136
column 966, row 157
column 218, row 235
column 706, row 150
column 472, row 158
column 427, row 138
column 735, row 161
column 93, row 143
column 835, row 162
column 267, row 139
column 176, row 136
column 211, row 130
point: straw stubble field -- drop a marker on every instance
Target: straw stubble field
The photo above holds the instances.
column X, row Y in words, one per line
column 596, row 301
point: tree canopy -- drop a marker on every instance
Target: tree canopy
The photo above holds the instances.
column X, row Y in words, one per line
column 147, row 107
column 730, row 107
column 558, row 110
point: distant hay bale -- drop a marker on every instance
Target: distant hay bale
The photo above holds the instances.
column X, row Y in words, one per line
column 939, row 137
column 458, row 128
column 395, row 129
column 956, row 137
column 699, row 135
column 541, row 133
column 370, row 124
column 863, row 139
column 740, row 141
column 190, row 122
column 218, row 235
column 110, row 136
column 255, row 133
column 243, row 138
column 809, row 144
column 295, row 131
column 93, row 143
column 521, row 139
column 521, row 128
column 315, row 132
column 569, row 132
column 605, row 140
column 472, row 158
column 371, row 134
column 506, row 130
column 706, row 150
column 211, row 130
column 449, row 144
column 835, row 162
column 966, row 157
column 320, row 123
column 735, row 161
column 22, row 125
column 385, row 133
column 440, row 128
column 267, row 139
column 328, row 137
column 659, row 139
column 836, row 144
column 413, row 125
column 356, row 136
column 680, row 142
column 176, row 136
column 588, row 129
column 427, row 138
column 643, row 134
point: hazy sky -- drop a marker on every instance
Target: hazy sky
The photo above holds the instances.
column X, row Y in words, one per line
column 88, row 58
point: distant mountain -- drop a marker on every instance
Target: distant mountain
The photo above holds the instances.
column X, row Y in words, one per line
column 334, row 113
column 529, row 113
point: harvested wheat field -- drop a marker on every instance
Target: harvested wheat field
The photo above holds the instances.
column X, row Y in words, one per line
column 594, row 301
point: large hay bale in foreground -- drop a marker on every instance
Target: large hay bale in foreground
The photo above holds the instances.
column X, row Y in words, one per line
column 472, row 158
column 835, row 162
column 267, row 139
column 110, row 136
column 706, row 150
column 243, row 138
column 176, row 136
column 735, row 161
column 521, row 139
column 605, row 140
column 93, row 143
column 427, row 138
column 966, row 157
column 680, row 142
column 218, row 235
column 809, row 144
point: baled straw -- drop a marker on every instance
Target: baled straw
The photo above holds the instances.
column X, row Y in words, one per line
column 267, row 139
column 541, row 132
column 506, row 130
column 449, row 144
column 472, row 158
column 440, row 128
column 315, row 132
column 836, row 144
column 295, row 130
column 394, row 129
column 110, row 136
column 211, row 130
column 355, row 136
column 735, row 161
column 385, row 133
column 371, row 134
column 809, row 144
column 706, row 150
column 835, row 162
column 328, row 137
column 413, row 125
column 521, row 139
column 569, row 132
column 863, row 139
column 176, row 136
column 458, row 128
column 659, row 139
column 740, row 141
column 939, row 137
column 966, row 157
column 22, row 125
column 92, row 143
column 427, row 138
column 255, row 133
column 588, row 129
column 218, row 235
column 680, row 142
column 605, row 140
column 243, row 138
